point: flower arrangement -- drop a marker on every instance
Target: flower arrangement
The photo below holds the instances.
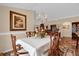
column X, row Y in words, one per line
column 42, row 34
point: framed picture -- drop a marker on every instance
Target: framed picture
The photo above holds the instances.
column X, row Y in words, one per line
column 17, row 21
column 65, row 26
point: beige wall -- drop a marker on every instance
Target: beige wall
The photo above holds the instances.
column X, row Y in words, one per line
column 65, row 32
column 5, row 41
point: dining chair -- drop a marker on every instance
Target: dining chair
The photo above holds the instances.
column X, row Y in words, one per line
column 17, row 49
column 54, row 49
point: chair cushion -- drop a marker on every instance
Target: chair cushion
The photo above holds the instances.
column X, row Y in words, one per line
column 22, row 50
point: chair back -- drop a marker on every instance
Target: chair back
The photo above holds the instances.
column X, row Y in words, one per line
column 13, row 39
column 54, row 44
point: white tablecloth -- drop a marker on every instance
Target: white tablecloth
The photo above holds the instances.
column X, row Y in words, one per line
column 35, row 46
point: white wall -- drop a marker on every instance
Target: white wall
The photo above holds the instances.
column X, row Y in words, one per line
column 68, row 20
column 5, row 40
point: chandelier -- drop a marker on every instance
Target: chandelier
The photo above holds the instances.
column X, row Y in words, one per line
column 42, row 18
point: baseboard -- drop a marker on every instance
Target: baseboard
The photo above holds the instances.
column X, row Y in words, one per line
column 67, row 37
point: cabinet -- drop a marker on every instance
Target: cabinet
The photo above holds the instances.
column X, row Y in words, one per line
column 75, row 32
column 75, row 28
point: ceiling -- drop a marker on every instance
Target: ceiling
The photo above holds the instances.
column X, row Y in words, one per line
column 52, row 10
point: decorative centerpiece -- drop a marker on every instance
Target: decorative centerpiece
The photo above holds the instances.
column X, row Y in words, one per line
column 42, row 34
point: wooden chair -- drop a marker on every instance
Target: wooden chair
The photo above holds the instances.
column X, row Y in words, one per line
column 54, row 45
column 17, row 49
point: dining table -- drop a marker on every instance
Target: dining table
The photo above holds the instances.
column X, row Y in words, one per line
column 36, row 46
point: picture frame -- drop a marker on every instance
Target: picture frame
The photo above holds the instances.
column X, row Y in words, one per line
column 17, row 21
column 65, row 27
